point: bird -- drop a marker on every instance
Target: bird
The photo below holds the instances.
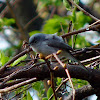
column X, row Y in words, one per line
column 47, row 44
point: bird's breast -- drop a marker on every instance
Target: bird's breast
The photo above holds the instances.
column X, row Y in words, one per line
column 45, row 50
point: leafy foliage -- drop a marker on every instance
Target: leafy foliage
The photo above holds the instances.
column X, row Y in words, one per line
column 81, row 20
column 78, row 83
column 53, row 25
column 39, row 87
column 19, row 60
column 3, row 58
column 67, row 5
column 51, row 2
column 58, row 81
column 49, row 93
column 78, row 43
column 29, row 96
column 98, row 41
column 34, row 32
column 6, row 22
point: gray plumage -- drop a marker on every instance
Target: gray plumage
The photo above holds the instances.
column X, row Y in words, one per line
column 51, row 43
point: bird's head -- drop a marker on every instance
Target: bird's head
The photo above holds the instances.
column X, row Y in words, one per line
column 36, row 38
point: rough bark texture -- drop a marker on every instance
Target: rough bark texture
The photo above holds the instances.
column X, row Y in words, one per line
column 42, row 72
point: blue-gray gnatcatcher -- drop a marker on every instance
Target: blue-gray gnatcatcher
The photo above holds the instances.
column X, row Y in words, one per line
column 47, row 44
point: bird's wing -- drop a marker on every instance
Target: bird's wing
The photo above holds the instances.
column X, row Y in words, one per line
column 57, row 43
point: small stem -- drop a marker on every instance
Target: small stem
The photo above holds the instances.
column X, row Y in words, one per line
column 93, row 28
column 52, row 78
column 85, row 12
column 66, row 70
column 52, row 84
column 58, row 88
column 25, row 36
column 2, row 69
column 17, row 85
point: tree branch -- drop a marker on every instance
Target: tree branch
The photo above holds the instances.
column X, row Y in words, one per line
column 14, row 58
column 81, row 9
column 25, row 35
column 82, row 93
column 93, row 28
column 43, row 72
column 17, row 85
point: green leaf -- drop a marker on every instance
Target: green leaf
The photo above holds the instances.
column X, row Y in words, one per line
column 74, row 15
column 39, row 87
column 24, row 95
column 29, row 96
column 6, row 22
column 19, row 59
column 1, row 22
column 49, row 92
column 98, row 41
column 45, row 98
column 58, row 81
column 3, row 59
column 78, row 43
column 34, row 32
column 51, row 2
column 67, row 5
column 78, row 83
column 53, row 25
column 76, row 1
column 81, row 19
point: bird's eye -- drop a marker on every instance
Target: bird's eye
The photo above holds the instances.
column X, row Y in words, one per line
column 35, row 41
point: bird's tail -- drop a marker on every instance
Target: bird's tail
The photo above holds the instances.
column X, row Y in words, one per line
column 76, row 60
column 68, row 55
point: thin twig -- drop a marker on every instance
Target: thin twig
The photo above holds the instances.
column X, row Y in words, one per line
column 85, row 12
column 48, row 64
column 26, row 26
column 62, row 28
column 72, row 37
column 8, row 27
column 84, row 50
column 57, row 89
column 51, row 55
column 52, row 84
column 93, row 28
column 92, row 65
column 63, row 32
column 17, row 85
column 14, row 58
column 13, row 2
column 52, row 78
column 90, row 59
column 53, row 11
column 25, row 88
column 66, row 70
column 7, row 78
column 14, row 82
column 73, row 90
column 94, row 23
column 25, row 35
column 69, row 26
